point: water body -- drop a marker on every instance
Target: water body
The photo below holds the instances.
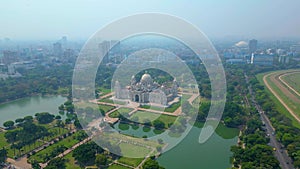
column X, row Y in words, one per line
column 30, row 106
column 189, row 154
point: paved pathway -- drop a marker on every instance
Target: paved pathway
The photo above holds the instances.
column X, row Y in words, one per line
column 43, row 165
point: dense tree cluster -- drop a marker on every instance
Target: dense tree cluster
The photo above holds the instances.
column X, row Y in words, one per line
column 86, row 154
column 3, row 155
column 56, row 163
column 40, row 80
column 44, row 117
column 151, row 164
column 26, row 135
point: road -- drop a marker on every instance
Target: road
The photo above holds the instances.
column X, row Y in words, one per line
column 280, row 153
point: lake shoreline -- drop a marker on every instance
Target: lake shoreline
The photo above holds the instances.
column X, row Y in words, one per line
column 33, row 95
column 30, row 106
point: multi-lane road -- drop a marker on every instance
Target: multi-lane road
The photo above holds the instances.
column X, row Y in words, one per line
column 279, row 151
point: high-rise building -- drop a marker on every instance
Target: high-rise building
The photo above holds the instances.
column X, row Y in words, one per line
column 57, row 49
column 104, row 48
column 252, row 45
column 9, row 57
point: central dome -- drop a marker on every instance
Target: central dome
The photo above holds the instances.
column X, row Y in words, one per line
column 146, row 78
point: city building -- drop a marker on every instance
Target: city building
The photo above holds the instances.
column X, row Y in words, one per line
column 57, row 49
column 236, row 61
column 9, row 57
column 285, row 59
column 262, row 59
column 146, row 91
column 252, row 45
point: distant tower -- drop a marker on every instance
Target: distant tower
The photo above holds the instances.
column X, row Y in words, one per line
column 104, row 49
column 57, row 49
column 64, row 41
column 252, row 45
column 117, row 89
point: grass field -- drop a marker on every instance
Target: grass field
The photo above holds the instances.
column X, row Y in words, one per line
column 121, row 111
column 55, row 132
column 71, row 164
column 104, row 91
column 167, row 119
column 134, row 162
column 133, row 150
column 106, row 108
column 293, row 80
column 143, row 116
column 41, row 156
column 173, row 107
column 277, row 103
column 116, row 166
column 3, row 142
column 295, row 106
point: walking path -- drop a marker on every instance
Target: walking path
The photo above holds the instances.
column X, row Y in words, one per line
column 43, row 165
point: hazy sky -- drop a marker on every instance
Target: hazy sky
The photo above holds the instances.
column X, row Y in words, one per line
column 36, row 19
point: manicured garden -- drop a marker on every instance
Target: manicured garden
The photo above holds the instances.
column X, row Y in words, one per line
column 121, row 111
column 106, row 108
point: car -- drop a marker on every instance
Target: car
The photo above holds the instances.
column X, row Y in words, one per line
column 274, row 149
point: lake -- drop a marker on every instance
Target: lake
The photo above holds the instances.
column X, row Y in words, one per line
column 189, row 154
column 29, row 106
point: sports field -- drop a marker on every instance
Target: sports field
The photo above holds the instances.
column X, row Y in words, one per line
column 284, row 86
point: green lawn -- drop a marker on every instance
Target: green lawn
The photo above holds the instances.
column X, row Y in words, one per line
column 106, row 100
column 116, row 166
column 134, row 162
column 71, row 164
column 106, row 108
column 293, row 80
column 3, row 142
column 133, row 150
column 54, row 133
column 121, row 111
column 167, row 119
column 277, row 103
column 41, row 155
column 144, row 116
column 173, row 107
column 104, row 91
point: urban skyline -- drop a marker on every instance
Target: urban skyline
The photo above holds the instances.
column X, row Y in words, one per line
column 34, row 20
